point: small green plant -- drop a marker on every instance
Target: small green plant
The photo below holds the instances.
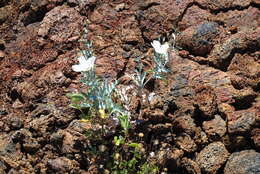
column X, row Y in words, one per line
column 130, row 158
column 98, row 99
column 97, row 105
column 160, row 58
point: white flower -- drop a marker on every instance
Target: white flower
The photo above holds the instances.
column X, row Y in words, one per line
column 84, row 64
column 152, row 154
column 161, row 49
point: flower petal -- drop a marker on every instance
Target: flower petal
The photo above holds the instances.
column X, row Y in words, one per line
column 161, row 49
column 156, row 45
column 84, row 64
column 78, row 68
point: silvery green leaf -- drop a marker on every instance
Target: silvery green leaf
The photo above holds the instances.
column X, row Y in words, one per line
column 85, row 105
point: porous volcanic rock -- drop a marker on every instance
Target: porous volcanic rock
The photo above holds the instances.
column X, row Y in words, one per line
column 61, row 165
column 193, row 16
column 159, row 16
column 236, row 20
column 211, row 93
column 61, row 24
column 222, row 53
column 223, row 4
column 215, row 128
column 199, row 39
column 243, row 162
column 186, row 143
column 242, row 121
column 256, row 137
column 190, row 166
column 212, row 157
column 245, row 70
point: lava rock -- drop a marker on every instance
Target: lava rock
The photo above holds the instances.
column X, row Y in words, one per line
column 21, row 135
column 206, row 101
column 223, row 4
column 4, row 13
column 31, row 146
column 189, row 166
column 56, row 139
column 15, row 123
column 242, row 121
column 61, row 165
column 193, row 16
column 212, row 157
column 243, row 40
column 244, row 70
column 215, row 128
column 7, row 146
column 236, row 20
column 73, row 142
column 199, row 39
column 186, row 124
column 186, row 143
column 152, row 13
column 61, row 24
column 243, row 162
column 256, row 137
column 42, row 126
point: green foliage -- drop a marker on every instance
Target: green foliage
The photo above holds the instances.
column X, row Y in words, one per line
column 97, row 103
column 125, row 123
column 157, row 72
column 134, row 163
column 148, row 168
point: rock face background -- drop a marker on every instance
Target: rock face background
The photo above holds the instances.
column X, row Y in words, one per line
column 206, row 119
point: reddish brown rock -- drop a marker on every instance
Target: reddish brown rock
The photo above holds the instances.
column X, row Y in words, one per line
column 223, row 4
column 255, row 133
column 34, row 11
column 15, row 122
column 2, row 55
column 160, row 16
column 193, row 16
column 212, row 157
column 206, row 100
column 121, row 38
column 7, row 146
column 61, row 25
column 200, row 137
column 42, row 125
column 215, row 128
column 241, row 122
column 222, row 53
column 243, row 162
column 4, row 11
column 36, row 69
column 245, row 71
column 24, row 87
column 73, row 142
column 190, row 166
column 167, row 155
column 186, row 143
column 199, row 39
column 194, row 75
column 226, row 110
column 237, row 20
column 61, row 165
column 185, row 124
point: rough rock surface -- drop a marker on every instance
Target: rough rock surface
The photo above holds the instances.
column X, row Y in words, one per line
column 212, row 157
column 208, row 108
column 215, row 128
column 243, row 162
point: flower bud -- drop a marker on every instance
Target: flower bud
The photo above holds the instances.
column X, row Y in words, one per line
column 117, row 156
column 102, row 148
column 141, row 134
